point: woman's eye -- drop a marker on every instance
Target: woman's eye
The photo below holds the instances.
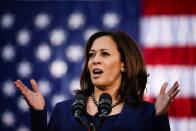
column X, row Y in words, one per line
column 105, row 54
column 90, row 55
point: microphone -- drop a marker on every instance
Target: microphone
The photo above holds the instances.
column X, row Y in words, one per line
column 78, row 107
column 105, row 106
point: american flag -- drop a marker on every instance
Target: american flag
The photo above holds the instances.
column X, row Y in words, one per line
column 45, row 41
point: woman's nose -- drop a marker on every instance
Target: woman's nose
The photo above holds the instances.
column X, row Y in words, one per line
column 96, row 59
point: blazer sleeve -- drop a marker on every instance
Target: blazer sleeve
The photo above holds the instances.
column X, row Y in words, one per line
column 38, row 120
column 52, row 125
column 162, row 123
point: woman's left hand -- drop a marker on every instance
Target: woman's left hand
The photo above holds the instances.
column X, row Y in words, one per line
column 164, row 99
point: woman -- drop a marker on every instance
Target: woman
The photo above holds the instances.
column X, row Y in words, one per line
column 113, row 65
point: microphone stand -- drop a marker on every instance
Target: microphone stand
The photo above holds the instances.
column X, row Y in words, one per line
column 92, row 127
column 81, row 121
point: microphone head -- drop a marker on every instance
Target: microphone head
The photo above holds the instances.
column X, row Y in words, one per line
column 78, row 106
column 105, row 104
column 105, row 96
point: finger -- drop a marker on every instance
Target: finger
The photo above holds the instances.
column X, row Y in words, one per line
column 173, row 95
column 174, row 88
column 34, row 85
column 163, row 88
column 19, row 84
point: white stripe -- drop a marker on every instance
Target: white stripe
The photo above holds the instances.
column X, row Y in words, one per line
column 185, row 75
column 162, row 31
column 182, row 124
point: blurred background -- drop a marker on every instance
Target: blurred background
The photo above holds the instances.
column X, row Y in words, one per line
column 45, row 41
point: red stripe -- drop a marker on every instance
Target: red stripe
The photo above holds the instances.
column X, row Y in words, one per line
column 163, row 7
column 170, row 55
column 181, row 107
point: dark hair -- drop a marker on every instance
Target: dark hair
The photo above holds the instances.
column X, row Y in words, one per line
column 133, row 79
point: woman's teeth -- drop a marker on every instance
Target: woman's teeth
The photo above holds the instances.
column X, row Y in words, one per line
column 97, row 71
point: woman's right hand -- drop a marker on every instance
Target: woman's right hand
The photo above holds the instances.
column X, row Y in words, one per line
column 34, row 98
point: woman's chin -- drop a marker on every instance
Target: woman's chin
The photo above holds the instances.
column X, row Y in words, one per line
column 99, row 85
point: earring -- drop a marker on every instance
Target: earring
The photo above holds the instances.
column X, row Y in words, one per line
column 122, row 69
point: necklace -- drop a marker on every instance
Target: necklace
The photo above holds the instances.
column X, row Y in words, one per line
column 97, row 104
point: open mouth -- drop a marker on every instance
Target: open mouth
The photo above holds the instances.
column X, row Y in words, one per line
column 97, row 71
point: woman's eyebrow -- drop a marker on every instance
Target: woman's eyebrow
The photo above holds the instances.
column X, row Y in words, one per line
column 100, row 49
column 104, row 50
column 91, row 50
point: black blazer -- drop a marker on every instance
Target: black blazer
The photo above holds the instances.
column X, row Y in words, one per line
column 140, row 118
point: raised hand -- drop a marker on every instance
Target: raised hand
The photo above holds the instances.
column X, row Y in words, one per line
column 164, row 99
column 34, row 98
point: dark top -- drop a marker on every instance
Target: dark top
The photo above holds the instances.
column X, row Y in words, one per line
column 141, row 118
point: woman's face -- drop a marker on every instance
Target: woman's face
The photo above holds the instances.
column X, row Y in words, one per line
column 104, row 63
